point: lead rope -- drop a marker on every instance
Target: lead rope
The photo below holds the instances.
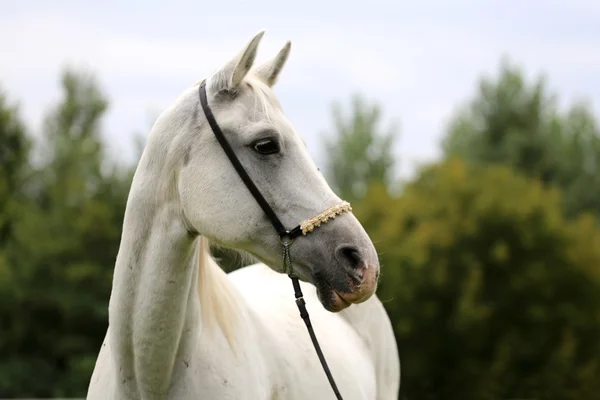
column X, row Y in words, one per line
column 287, row 266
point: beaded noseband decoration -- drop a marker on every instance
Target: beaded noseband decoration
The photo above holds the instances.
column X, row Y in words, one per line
column 285, row 237
column 310, row 224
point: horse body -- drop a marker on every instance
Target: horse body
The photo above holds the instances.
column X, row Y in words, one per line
column 179, row 327
column 273, row 357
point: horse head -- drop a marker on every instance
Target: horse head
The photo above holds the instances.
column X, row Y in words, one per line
column 338, row 257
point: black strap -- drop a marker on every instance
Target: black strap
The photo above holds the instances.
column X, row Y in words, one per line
column 287, row 265
column 283, row 233
column 238, row 165
column 304, row 314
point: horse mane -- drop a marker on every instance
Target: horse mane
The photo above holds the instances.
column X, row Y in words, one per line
column 219, row 306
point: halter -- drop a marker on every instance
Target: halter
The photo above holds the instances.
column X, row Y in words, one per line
column 285, row 237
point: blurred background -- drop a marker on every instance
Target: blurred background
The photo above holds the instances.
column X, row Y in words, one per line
column 465, row 133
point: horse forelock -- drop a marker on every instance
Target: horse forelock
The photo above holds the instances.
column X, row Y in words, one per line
column 265, row 99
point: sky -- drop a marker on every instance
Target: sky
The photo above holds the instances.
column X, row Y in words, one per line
column 418, row 60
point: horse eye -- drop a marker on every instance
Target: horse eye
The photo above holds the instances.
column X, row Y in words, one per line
column 266, row 147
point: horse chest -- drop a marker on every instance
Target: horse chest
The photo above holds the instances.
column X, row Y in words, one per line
column 259, row 373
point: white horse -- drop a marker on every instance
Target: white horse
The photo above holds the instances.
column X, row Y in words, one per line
column 179, row 327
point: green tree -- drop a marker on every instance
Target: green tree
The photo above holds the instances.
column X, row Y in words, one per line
column 359, row 152
column 492, row 293
column 514, row 122
column 63, row 251
column 14, row 158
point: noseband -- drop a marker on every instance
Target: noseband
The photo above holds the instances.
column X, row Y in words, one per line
column 285, row 237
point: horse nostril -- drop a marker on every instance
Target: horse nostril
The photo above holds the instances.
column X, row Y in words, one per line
column 349, row 255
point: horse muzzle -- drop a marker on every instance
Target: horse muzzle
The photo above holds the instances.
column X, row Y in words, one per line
column 354, row 286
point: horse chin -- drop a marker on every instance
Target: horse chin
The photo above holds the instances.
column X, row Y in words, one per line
column 338, row 303
column 331, row 300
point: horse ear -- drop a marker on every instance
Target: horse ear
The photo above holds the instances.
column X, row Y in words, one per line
column 231, row 75
column 269, row 71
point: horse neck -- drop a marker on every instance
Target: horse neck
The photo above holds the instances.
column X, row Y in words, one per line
column 154, row 307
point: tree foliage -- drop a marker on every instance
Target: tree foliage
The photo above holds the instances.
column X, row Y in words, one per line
column 61, row 254
column 493, row 294
column 14, row 157
column 515, row 122
column 359, row 152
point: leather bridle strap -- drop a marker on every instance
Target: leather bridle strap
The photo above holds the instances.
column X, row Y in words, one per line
column 238, row 165
column 286, row 237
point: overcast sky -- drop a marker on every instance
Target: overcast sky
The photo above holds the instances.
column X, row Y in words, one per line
column 419, row 61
